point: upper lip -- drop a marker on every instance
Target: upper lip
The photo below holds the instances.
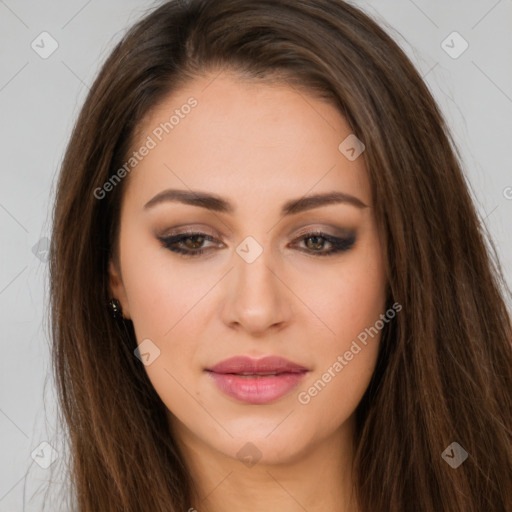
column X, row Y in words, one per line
column 244, row 365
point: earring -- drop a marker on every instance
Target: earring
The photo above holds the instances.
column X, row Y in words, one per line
column 115, row 309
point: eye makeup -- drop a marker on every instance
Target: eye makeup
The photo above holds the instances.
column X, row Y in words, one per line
column 192, row 243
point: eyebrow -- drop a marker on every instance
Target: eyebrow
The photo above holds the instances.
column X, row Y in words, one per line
column 216, row 203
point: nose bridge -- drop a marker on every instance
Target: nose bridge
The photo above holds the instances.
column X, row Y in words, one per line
column 257, row 298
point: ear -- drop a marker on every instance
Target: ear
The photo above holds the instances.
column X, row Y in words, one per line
column 116, row 288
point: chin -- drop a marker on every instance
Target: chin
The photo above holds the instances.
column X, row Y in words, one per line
column 271, row 443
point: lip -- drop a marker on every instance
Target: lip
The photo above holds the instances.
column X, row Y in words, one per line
column 256, row 381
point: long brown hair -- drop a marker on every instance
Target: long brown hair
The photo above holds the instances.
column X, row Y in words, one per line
column 444, row 371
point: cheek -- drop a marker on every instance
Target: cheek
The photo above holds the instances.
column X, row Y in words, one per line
column 167, row 308
column 348, row 296
column 350, row 302
column 160, row 297
column 164, row 307
column 344, row 365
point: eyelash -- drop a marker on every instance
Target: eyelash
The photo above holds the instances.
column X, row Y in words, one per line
column 339, row 244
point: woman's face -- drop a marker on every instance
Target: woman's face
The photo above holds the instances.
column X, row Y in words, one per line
column 281, row 274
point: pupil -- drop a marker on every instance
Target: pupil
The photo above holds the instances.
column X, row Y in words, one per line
column 317, row 243
column 194, row 237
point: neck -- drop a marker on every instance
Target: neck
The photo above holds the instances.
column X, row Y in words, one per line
column 318, row 479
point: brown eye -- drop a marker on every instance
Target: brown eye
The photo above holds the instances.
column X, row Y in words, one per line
column 197, row 241
column 187, row 244
column 192, row 244
column 315, row 243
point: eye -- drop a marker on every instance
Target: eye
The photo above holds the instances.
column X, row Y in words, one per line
column 316, row 241
column 188, row 244
column 191, row 244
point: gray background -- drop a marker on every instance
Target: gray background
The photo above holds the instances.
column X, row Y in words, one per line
column 39, row 101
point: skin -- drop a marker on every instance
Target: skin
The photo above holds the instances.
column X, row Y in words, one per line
column 257, row 145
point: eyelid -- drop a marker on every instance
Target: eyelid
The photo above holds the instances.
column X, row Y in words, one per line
column 178, row 230
column 333, row 231
column 307, row 230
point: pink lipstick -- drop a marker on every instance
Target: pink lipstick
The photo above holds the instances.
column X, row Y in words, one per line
column 256, row 381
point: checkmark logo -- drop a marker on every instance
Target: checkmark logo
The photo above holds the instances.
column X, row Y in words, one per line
column 249, row 249
column 147, row 352
column 44, row 455
column 351, row 147
column 42, row 249
column 454, row 455
column 249, row 454
column 44, row 45
column 454, row 45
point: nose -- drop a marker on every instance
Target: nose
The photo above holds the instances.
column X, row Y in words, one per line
column 257, row 298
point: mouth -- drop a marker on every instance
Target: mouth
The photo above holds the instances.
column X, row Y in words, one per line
column 256, row 381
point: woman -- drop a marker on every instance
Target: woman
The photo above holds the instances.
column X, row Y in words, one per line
column 270, row 288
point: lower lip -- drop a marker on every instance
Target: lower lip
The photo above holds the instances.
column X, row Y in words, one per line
column 257, row 390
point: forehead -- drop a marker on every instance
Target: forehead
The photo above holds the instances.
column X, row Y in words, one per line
column 241, row 138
